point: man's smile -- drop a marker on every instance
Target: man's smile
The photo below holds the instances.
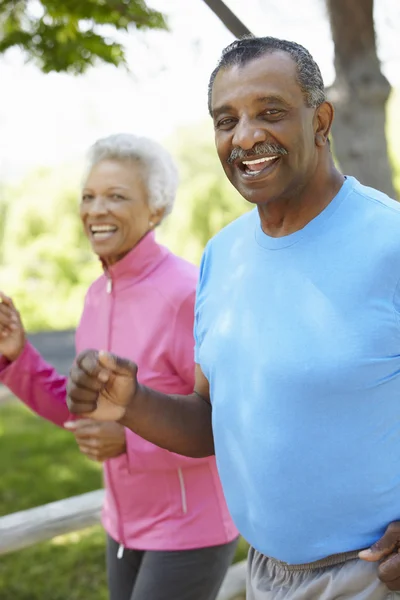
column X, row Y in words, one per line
column 257, row 168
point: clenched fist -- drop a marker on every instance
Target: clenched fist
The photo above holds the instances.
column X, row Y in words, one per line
column 101, row 386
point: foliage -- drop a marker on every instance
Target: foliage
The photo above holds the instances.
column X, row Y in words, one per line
column 67, row 36
column 40, row 463
column 206, row 201
column 47, row 263
column 393, row 138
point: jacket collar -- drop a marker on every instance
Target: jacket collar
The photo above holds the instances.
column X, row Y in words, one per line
column 139, row 262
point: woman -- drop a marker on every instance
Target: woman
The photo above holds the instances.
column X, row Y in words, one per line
column 169, row 534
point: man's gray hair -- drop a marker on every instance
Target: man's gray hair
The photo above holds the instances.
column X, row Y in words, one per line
column 248, row 48
column 160, row 174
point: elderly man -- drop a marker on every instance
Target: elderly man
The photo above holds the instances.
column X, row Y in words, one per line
column 297, row 344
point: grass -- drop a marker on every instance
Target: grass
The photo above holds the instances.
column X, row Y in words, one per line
column 40, row 463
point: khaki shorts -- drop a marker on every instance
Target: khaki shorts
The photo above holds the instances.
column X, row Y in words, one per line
column 337, row 577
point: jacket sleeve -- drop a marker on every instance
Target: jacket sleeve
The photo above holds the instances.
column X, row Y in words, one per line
column 37, row 384
column 146, row 455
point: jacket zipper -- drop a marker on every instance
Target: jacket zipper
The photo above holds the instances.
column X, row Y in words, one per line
column 121, row 547
column 183, row 491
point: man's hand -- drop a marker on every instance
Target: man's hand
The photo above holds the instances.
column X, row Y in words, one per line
column 99, row 441
column 101, row 386
column 12, row 333
column 388, row 547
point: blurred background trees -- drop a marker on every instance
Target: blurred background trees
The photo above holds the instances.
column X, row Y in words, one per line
column 72, row 35
column 46, row 262
column 360, row 94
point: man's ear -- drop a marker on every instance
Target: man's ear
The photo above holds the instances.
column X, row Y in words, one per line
column 323, row 122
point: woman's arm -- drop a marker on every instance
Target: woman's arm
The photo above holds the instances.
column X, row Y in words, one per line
column 24, row 371
column 37, row 384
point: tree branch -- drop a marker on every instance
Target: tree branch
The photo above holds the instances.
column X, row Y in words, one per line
column 228, row 18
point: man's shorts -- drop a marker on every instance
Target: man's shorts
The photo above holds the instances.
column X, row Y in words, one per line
column 341, row 576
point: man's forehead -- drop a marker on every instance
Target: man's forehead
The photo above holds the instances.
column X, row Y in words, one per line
column 273, row 73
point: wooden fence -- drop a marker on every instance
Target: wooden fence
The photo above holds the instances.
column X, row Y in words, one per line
column 28, row 527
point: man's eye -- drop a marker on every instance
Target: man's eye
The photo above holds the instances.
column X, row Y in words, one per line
column 117, row 197
column 225, row 123
column 86, row 197
column 272, row 112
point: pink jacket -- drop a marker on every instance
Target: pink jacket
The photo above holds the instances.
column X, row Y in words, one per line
column 141, row 309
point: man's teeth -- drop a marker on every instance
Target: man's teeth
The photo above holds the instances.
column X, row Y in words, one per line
column 259, row 160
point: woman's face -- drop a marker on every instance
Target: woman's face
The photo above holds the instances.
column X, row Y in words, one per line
column 114, row 209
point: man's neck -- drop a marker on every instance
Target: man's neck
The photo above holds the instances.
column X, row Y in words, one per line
column 284, row 216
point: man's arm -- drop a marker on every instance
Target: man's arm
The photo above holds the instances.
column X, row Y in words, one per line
column 104, row 387
column 181, row 424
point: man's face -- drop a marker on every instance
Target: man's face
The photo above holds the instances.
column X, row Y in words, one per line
column 264, row 132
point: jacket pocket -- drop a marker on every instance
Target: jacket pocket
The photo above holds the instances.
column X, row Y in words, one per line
column 152, row 497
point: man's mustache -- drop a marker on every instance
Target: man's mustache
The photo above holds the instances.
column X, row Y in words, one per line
column 257, row 150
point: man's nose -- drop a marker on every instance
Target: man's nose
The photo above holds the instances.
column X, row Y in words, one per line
column 247, row 134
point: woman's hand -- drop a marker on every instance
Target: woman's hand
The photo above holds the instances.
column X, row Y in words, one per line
column 99, row 440
column 12, row 333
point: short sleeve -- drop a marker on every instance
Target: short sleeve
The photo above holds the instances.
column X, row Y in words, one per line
column 198, row 330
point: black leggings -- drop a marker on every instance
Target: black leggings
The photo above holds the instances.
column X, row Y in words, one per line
column 167, row 575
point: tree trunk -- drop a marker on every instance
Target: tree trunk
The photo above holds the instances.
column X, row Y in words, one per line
column 228, row 18
column 359, row 94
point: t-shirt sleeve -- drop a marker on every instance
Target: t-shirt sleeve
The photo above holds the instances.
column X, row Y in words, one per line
column 198, row 328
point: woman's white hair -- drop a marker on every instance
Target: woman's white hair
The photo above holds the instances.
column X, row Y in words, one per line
column 160, row 174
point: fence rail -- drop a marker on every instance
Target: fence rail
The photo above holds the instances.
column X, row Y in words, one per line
column 28, row 527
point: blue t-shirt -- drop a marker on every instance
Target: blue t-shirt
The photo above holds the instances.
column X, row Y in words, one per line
column 299, row 338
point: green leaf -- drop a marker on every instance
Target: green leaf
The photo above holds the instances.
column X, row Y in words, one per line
column 64, row 38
